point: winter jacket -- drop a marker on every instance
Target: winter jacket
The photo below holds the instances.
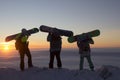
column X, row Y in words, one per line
column 55, row 42
column 21, row 42
column 85, row 45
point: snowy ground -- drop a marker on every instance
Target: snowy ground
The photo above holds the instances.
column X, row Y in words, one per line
column 9, row 66
column 37, row 73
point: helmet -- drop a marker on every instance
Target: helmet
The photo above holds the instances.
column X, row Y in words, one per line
column 24, row 31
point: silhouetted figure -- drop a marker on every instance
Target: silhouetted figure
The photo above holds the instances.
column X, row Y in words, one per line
column 55, row 49
column 21, row 45
column 84, row 51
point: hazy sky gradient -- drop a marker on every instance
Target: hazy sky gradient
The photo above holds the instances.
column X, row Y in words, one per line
column 76, row 15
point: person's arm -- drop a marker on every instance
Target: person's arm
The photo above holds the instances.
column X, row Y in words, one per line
column 78, row 43
column 48, row 37
column 79, row 46
column 91, row 41
column 17, row 36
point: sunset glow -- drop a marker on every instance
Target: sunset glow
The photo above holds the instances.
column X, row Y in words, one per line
column 78, row 16
column 5, row 47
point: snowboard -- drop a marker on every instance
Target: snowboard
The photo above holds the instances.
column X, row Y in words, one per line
column 29, row 32
column 56, row 31
column 84, row 36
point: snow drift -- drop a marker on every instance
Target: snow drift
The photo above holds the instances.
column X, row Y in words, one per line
column 37, row 73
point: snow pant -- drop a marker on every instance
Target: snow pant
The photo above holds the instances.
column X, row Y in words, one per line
column 87, row 56
column 22, row 55
column 52, row 55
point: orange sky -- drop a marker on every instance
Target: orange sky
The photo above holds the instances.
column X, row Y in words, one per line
column 99, row 43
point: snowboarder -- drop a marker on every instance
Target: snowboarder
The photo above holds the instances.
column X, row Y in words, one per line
column 84, row 51
column 55, row 49
column 21, row 45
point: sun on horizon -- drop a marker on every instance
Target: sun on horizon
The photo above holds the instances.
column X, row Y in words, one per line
column 6, row 46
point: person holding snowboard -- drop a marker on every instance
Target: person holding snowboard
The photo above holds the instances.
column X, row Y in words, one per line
column 21, row 45
column 84, row 51
column 55, row 49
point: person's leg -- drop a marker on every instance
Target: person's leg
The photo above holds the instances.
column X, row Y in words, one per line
column 81, row 62
column 59, row 64
column 90, row 63
column 29, row 58
column 51, row 59
column 21, row 60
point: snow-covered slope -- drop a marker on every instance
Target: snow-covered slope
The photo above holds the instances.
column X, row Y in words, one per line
column 37, row 73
